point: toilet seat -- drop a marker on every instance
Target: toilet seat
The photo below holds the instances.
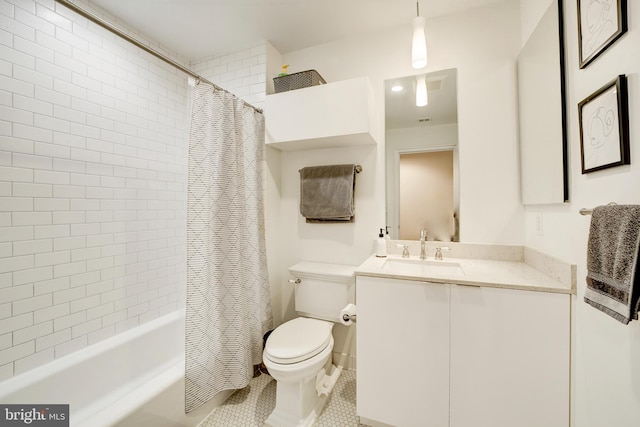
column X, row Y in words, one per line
column 297, row 340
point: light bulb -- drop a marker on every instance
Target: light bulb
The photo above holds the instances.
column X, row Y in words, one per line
column 422, row 98
column 419, row 45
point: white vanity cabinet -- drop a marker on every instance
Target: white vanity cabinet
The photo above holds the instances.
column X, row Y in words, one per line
column 402, row 352
column 510, row 357
column 439, row 355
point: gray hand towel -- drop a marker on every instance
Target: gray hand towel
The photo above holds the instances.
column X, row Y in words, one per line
column 326, row 193
column 613, row 282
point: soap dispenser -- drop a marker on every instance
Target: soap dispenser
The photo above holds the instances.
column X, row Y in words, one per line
column 386, row 236
column 381, row 245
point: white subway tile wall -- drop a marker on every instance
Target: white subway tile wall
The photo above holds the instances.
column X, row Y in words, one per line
column 93, row 154
column 93, row 146
column 242, row 72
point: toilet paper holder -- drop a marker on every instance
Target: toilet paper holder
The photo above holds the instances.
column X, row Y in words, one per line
column 349, row 317
column 348, row 314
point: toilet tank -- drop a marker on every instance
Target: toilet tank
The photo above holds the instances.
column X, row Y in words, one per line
column 323, row 289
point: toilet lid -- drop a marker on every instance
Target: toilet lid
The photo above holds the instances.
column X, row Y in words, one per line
column 297, row 340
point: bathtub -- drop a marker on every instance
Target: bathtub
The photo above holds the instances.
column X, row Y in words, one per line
column 133, row 379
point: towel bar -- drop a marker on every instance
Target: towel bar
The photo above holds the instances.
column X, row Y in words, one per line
column 357, row 169
column 585, row 211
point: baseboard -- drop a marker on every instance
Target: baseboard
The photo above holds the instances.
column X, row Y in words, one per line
column 372, row 423
column 347, row 361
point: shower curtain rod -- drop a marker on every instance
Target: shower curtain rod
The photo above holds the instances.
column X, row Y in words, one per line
column 104, row 24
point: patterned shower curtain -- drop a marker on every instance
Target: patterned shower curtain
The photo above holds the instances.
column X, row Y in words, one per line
column 228, row 300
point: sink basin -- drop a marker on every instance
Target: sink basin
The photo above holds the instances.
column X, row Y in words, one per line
column 420, row 267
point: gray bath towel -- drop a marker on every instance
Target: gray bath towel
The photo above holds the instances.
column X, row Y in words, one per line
column 613, row 282
column 326, row 193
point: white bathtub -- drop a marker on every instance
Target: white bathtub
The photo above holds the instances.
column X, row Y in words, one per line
column 133, row 379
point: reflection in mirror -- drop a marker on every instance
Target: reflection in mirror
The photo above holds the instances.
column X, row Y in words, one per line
column 542, row 113
column 422, row 158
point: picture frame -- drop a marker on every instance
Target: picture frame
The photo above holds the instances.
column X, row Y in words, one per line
column 604, row 127
column 600, row 24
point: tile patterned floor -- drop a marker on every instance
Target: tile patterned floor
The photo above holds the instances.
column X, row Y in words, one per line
column 251, row 406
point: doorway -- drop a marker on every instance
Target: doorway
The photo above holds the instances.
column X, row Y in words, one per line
column 426, row 195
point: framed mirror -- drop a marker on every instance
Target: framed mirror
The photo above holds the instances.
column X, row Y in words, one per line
column 542, row 112
column 422, row 189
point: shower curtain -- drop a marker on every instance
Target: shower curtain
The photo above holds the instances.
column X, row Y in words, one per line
column 228, row 300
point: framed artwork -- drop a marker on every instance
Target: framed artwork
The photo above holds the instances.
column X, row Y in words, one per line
column 604, row 127
column 600, row 24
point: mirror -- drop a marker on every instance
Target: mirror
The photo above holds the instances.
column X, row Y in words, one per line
column 422, row 188
column 542, row 112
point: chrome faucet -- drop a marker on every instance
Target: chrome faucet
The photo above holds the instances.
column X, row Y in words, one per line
column 439, row 250
column 405, row 251
column 423, row 238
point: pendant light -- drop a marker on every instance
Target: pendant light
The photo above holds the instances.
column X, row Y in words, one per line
column 422, row 97
column 419, row 45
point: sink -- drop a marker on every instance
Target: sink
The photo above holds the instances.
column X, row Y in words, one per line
column 420, row 267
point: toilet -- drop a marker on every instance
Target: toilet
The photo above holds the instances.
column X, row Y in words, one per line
column 298, row 353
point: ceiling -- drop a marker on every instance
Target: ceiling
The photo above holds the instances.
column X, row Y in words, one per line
column 196, row 29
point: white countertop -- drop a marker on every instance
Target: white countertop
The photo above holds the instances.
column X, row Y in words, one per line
column 477, row 272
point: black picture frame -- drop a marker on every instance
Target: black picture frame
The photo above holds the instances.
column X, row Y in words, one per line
column 600, row 24
column 604, row 127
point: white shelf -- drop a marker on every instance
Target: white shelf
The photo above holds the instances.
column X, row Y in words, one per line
column 330, row 115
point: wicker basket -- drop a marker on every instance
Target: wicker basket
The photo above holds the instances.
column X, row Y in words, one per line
column 297, row 81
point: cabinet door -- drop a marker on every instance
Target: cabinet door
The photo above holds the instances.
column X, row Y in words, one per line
column 510, row 353
column 402, row 352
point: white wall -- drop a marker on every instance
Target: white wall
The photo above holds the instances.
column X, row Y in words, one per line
column 489, row 183
column 422, row 137
column 606, row 353
column 273, row 176
column 531, row 12
column 92, row 185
